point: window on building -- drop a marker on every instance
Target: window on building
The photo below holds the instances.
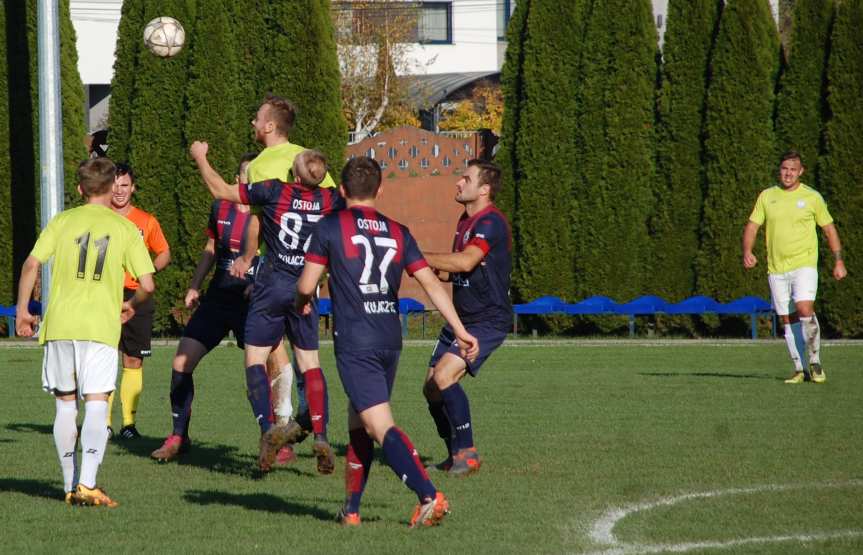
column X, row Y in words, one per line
column 436, row 150
column 392, row 152
column 446, row 162
column 424, row 163
column 383, row 164
column 504, row 12
column 414, row 151
column 424, row 141
column 659, row 21
column 403, row 164
column 370, row 153
column 434, row 23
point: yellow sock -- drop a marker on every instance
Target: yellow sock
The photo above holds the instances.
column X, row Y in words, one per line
column 110, row 406
column 130, row 393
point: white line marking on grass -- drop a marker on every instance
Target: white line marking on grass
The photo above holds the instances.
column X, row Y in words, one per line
column 602, row 531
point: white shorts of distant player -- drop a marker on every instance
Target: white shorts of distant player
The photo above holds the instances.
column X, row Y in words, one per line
column 87, row 367
column 792, row 287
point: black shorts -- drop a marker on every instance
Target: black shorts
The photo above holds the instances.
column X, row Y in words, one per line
column 368, row 376
column 136, row 333
column 489, row 337
column 272, row 315
column 215, row 317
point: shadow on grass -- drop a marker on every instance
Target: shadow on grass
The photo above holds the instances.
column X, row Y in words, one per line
column 256, row 502
column 33, row 488
column 218, row 458
column 710, row 375
column 30, row 427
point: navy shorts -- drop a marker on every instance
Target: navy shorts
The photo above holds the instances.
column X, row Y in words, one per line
column 368, row 376
column 272, row 315
column 215, row 317
column 489, row 337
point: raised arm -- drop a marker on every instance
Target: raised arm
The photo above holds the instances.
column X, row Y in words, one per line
column 468, row 344
column 835, row 245
column 750, row 231
column 217, row 186
column 25, row 323
column 464, row 261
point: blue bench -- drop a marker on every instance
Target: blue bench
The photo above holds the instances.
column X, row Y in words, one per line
column 9, row 313
column 755, row 307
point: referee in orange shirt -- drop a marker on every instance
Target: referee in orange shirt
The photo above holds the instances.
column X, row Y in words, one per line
column 136, row 333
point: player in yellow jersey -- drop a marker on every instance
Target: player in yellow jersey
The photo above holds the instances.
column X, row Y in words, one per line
column 272, row 126
column 791, row 211
column 91, row 246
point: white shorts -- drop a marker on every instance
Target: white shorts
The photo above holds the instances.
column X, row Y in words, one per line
column 87, row 367
column 792, row 287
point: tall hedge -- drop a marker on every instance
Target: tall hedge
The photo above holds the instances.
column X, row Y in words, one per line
column 842, row 167
column 304, row 62
column 21, row 170
column 157, row 147
column 512, row 88
column 617, row 140
column 542, row 152
column 214, row 112
column 126, row 54
column 7, row 295
column 691, row 26
column 740, row 146
column 801, row 103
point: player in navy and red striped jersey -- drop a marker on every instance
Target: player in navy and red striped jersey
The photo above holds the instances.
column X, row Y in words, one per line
column 366, row 253
column 479, row 268
column 288, row 213
column 222, row 309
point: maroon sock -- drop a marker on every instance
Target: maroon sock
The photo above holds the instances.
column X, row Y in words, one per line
column 316, row 397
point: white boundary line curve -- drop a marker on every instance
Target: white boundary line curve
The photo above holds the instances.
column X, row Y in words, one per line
column 602, row 531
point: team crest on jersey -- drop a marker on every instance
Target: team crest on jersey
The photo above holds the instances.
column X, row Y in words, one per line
column 801, row 203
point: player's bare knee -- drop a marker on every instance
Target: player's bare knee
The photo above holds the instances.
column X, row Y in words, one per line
column 307, row 360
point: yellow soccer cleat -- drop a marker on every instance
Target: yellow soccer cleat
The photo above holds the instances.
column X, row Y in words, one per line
column 95, row 497
column 818, row 375
column 797, row 377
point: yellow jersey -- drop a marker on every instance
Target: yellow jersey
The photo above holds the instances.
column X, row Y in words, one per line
column 791, row 217
column 277, row 162
column 91, row 247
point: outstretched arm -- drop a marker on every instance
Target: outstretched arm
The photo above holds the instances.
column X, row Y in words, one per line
column 431, row 285
column 749, row 233
column 835, row 244
column 25, row 323
column 464, row 261
column 217, row 186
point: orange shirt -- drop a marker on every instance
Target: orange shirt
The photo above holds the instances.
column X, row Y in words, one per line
column 154, row 239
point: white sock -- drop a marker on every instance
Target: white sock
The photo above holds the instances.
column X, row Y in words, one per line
column 285, row 383
column 93, row 441
column 800, row 341
column 812, row 334
column 792, row 348
column 66, row 439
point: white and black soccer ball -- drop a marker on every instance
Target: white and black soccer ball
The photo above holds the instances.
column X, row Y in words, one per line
column 164, row 36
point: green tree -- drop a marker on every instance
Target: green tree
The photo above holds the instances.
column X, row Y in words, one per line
column 676, row 226
column 842, row 167
column 7, row 295
column 126, row 54
column 801, row 103
column 305, row 69
column 617, row 141
column 740, row 145
column 157, row 145
column 22, row 167
column 539, row 158
column 214, row 113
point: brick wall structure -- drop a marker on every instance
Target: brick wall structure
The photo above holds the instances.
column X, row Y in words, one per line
column 420, row 170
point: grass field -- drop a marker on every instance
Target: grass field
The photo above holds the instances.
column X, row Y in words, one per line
column 611, row 447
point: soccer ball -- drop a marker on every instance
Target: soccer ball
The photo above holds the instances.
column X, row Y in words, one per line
column 164, row 36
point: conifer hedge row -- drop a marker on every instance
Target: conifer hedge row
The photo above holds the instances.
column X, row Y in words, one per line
column 668, row 154
column 236, row 53
column 20, row 177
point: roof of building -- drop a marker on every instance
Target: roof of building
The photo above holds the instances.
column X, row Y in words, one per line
column 429, row 90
